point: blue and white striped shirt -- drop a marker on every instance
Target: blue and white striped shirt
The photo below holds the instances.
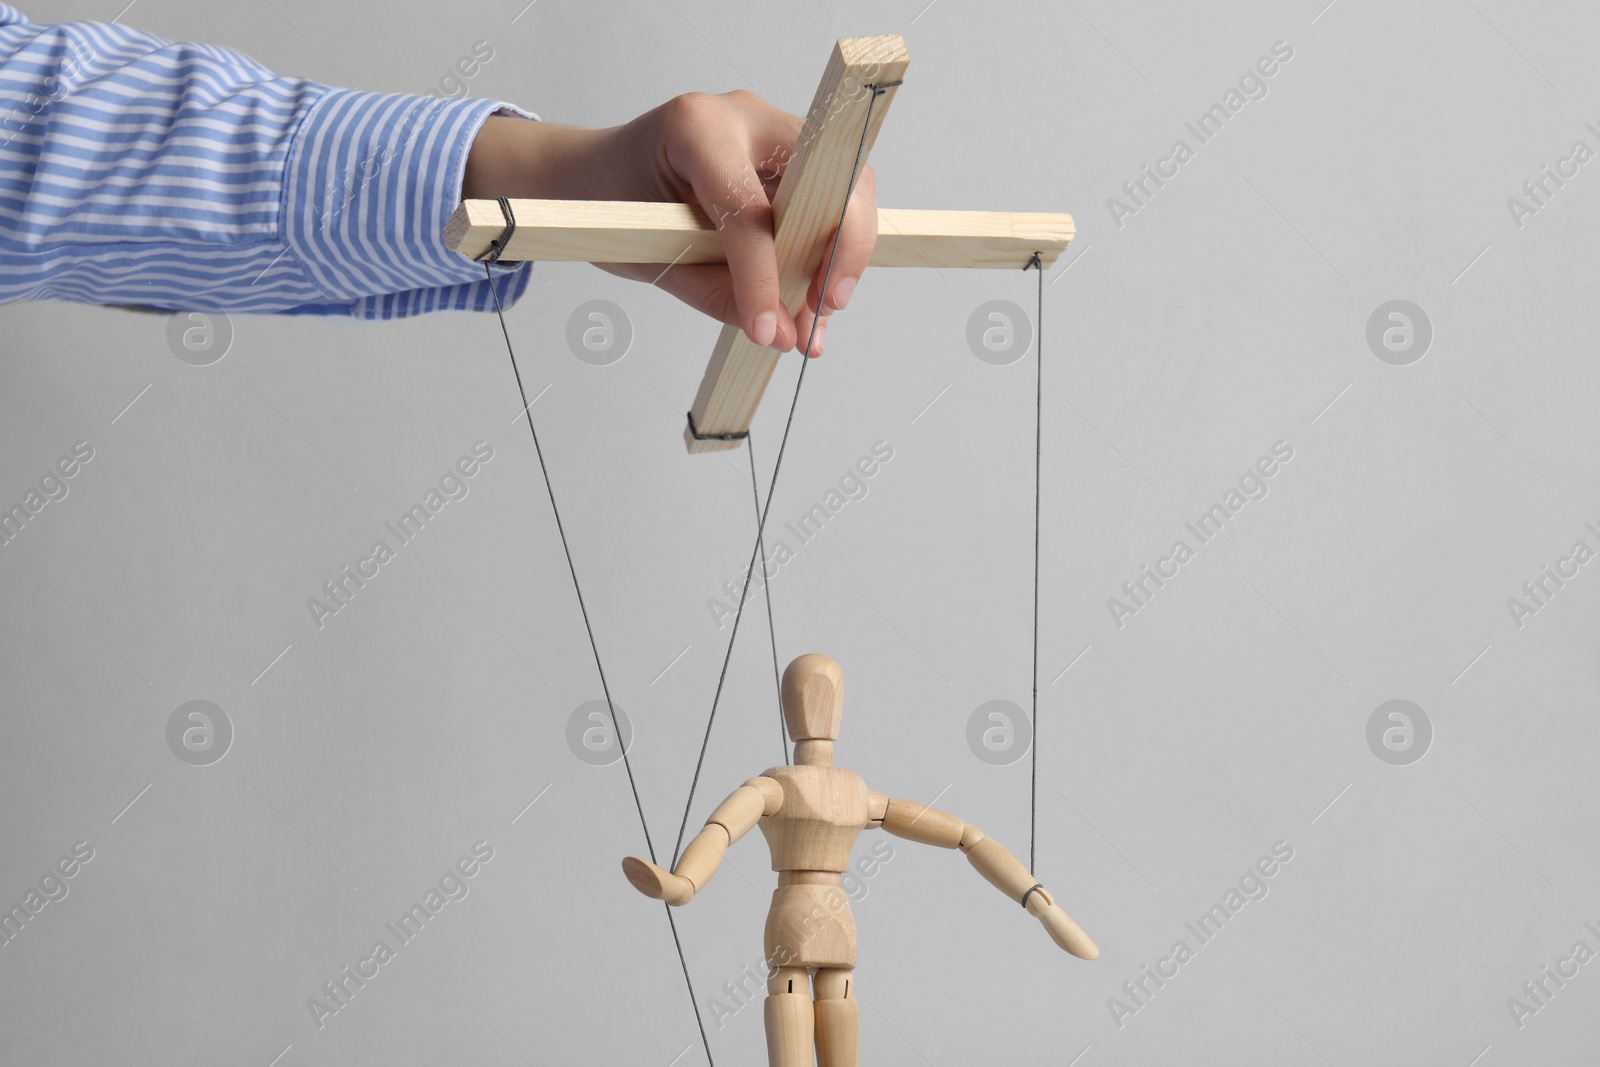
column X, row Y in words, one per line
column 135, row 170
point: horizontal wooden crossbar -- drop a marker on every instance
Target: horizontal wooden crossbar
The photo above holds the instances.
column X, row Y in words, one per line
column 620, row 231
column 834, row 141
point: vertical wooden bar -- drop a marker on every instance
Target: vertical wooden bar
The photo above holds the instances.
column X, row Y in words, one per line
column 806, row 209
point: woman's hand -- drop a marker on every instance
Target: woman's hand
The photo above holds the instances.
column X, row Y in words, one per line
column 724, row 153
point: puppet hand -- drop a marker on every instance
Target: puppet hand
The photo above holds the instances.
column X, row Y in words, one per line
column 1063, row 931
column 656, row 883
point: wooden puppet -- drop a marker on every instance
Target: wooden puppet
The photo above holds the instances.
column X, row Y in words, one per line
column 811, row 813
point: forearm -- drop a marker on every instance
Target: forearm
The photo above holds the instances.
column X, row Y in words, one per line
column 918, row 822
column 515, row 158
column 698, row 863
column 930, row 826
column 1006, row 873
column 732, row 819
column 997, row 865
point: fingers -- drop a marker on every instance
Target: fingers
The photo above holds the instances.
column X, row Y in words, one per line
column 857, row 236
column 706, row 287
column 712, row 149
column 728, row 152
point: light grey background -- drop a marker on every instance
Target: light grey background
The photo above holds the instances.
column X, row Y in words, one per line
column 1229, row 714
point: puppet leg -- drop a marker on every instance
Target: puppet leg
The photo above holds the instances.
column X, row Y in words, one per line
column 790, row 1024
column 838, row 1019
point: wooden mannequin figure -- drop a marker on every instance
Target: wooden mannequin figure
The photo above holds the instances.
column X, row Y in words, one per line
column 811, row 813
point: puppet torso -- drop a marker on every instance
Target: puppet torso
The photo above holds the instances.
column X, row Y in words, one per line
column 823, row 811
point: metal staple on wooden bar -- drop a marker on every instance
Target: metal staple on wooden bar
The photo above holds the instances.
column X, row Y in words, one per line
column 694, row 431
column 498, row 246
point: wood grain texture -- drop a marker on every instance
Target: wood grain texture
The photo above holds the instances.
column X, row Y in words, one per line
column 741, row 811
column 805, row 212
column 812, row 694
column 1063, row 930
column 701, row 859
column 1000, row 868
column 837, row 1026
column 810, row 925
column 918, row 822
column 824, row 809
column 656, row 883
column 790, row 1028
column 771, row 792
column 877, row 808
column 624, row 231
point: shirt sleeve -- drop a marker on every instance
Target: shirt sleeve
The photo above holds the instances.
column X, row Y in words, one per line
column 184, row 177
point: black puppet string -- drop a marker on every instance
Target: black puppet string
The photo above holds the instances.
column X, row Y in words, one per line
column 777, row 465
column 1038, row 452
column 766, row 594
column 527, row 407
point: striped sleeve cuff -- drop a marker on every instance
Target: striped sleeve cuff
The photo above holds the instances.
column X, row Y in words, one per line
column 372, row 179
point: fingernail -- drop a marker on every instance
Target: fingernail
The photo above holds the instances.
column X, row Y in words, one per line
column 842, row 291
column 766, row 328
